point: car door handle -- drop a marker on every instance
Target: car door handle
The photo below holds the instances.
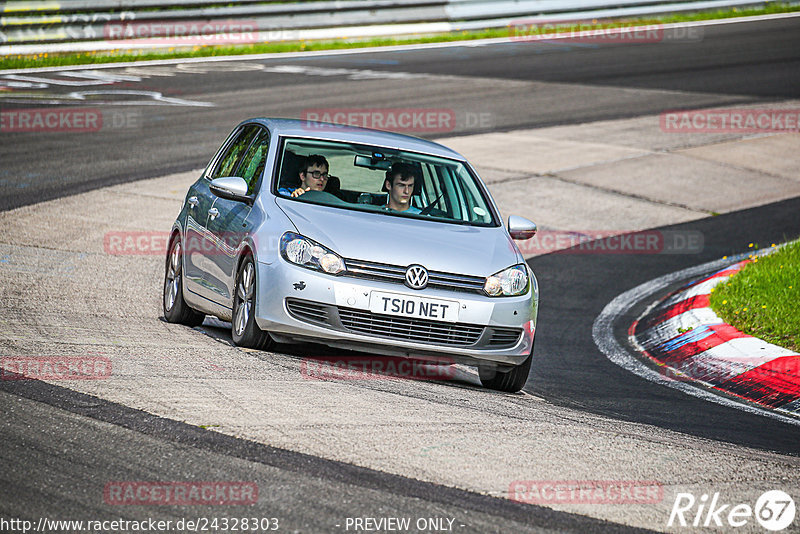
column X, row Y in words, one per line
column 192, row 202
column 213, row 212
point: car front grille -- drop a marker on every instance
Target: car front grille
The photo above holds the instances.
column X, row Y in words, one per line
column 504, row 336
column 366, row 323
column 397, row 274
column 310, row 312
column 408, row 329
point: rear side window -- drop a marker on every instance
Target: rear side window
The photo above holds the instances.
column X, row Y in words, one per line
column 230, row 159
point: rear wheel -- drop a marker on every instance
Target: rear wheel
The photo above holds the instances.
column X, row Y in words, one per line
column 175, row 308
column 510, row 381
column 244, row 330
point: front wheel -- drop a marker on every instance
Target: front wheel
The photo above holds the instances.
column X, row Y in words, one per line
column 509, row 381
column 244, row 330
column 176, row 310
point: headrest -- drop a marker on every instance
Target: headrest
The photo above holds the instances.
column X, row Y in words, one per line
column 290, row 170
column 333, row 186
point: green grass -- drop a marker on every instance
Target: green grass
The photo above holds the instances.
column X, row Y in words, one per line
column 113, row 56
column 763, row 299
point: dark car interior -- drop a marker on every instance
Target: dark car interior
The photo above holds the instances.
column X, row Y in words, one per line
column 290, row 178
column 439, row 193
column 290, row 175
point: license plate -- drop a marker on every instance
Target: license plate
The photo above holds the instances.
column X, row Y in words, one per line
column 416, row 307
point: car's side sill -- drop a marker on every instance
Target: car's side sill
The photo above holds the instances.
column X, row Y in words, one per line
column 207, row 306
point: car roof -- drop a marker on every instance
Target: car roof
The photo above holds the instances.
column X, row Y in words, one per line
column 338, row 132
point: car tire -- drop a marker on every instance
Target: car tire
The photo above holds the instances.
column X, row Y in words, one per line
column 176, row 310
column 244, row 330
column 510, row 381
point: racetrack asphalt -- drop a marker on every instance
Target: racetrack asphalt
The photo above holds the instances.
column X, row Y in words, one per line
column 92, row 442
column 573, row 382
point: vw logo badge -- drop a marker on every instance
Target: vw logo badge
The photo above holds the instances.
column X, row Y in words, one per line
column 416, row 277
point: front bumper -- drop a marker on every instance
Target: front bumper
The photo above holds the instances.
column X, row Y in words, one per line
column 281, row 282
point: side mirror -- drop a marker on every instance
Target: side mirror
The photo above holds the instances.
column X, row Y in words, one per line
column 521, row 228
column 230, row 187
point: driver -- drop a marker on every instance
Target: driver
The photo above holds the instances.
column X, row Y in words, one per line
column 399, row 184
column 313, row 176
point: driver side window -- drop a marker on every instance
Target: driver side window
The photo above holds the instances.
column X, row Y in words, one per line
column 227, row 163
column 252, row 166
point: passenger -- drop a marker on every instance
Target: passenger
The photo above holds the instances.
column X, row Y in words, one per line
column 313, row 176
column 399, row 184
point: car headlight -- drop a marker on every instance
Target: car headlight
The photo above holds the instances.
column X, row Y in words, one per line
column 508, row 283
column 305, row 252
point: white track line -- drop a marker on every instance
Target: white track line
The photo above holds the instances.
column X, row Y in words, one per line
column 603, row 335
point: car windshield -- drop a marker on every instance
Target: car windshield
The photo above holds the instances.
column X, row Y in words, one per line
column 381, row 180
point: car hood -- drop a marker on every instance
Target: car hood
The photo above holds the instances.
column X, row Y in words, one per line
column 404, row 241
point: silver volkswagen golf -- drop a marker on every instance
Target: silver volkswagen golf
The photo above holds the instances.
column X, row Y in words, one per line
column 357, row 239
